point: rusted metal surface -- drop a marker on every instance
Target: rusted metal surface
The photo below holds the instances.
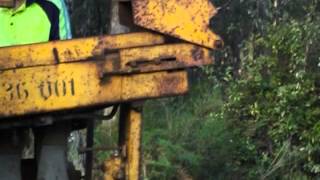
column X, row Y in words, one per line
column 72, row 50
column 164, row 57
column 76, row 85
column 155, row 58
column 130, row 127
column 128, row 161
column 143, row 59
column 95, row 76
column 184, row 19
column 7, row 3
column 133, row 144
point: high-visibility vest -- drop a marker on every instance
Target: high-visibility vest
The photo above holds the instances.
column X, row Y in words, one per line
column 34, row 21
column 64, row 19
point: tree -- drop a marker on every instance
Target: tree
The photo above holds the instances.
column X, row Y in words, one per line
column 268, row 79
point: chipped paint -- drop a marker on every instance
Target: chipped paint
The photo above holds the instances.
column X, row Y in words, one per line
column 77, row 85
column 184, row 19
column 71, row 50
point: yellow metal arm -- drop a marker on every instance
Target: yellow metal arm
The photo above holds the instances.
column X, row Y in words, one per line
column 72, row 50
column 183, row 19
column 117, row 77
column 67, row 86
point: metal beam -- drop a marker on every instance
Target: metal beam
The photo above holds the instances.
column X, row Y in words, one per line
column 72, row 50
column 76, row 85
column 184, row 19
column 133, row 144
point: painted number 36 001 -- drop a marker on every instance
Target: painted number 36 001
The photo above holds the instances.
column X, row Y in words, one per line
column 46, row 89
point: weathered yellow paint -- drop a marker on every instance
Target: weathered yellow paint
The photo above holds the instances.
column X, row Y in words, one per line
column 164, row 57
column 127, row 163
column 72, row 50
column 142, row 59
column 184, row 19
column 156, row 58
column 75, row 85
column 95, row 82
column 133, row 145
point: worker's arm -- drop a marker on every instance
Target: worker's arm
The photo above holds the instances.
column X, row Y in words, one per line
column 59, row 18
column 53, row 14
column 64, row 19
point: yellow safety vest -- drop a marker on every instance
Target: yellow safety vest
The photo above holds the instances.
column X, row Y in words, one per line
column 32, row 22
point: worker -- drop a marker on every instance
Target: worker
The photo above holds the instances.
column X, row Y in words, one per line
column 34, row 21
column 27, row 22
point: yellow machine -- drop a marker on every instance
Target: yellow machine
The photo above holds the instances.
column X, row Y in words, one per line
column 171, row 36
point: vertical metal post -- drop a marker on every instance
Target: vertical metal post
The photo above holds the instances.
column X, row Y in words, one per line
column 89, row 154
column 130, row 121
column 132, row 147
column 130, row 128
column 130, row 139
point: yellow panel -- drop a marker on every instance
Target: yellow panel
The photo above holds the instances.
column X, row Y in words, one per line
column 72, row 50
column 184, row 19
column 74, row 85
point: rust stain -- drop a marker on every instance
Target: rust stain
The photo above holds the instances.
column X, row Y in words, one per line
column 168, row 83
column 100, row 68
column 197, row 54
column 98, row 49
column 56, row 55
column 107, row 66
column 72, row 50
column 20, row 65
column 164, row 57
column 115, row 60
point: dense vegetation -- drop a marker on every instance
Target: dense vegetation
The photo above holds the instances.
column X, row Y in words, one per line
column 254, row 114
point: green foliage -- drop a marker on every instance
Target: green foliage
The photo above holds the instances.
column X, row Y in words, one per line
column 255, row 114
column 184, row 134
column 275, row 99
column 105, row 136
